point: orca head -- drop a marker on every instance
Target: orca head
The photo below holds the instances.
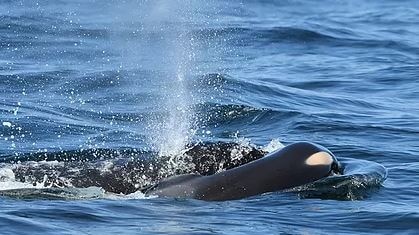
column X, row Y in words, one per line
column 308, row 157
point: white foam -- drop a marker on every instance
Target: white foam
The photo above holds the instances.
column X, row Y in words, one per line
column 10, row 185
column 7, row 124
column 244, row 148
column 136, row 195
column 107, row 166
column 274, row 145
column 8, row 180
column 6, row 174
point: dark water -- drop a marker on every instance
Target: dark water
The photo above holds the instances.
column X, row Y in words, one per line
column 155, row 76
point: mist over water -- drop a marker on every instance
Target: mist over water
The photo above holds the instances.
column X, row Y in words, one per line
column 161, row 47
column 167, row 47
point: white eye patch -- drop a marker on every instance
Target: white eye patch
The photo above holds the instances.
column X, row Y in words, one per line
column 320, row 158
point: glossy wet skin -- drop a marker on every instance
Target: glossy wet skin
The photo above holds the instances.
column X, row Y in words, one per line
column 294, row 165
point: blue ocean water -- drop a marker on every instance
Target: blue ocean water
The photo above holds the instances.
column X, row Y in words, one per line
column 158, row 75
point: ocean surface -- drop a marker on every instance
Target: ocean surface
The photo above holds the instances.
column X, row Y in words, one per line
column 96, row 80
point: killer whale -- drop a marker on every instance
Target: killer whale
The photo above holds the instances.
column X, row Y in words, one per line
column 217, row 175
column 294, row 165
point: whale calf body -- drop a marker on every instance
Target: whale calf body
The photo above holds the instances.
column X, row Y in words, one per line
column 294, row 165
